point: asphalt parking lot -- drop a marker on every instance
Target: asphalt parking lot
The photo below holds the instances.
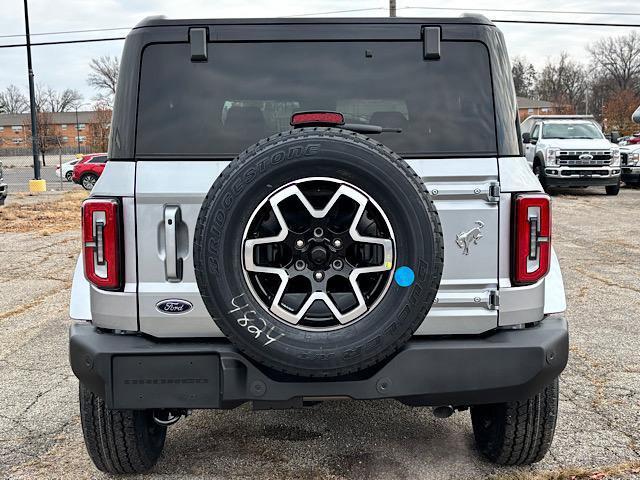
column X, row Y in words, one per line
column 17, row 178
column 598, row 434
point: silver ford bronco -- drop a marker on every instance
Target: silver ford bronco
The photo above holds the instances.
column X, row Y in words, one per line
column 296, row 211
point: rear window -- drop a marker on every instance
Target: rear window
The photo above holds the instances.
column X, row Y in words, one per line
column 247, row 91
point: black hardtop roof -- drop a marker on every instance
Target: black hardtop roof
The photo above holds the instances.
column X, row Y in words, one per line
column 162, row 21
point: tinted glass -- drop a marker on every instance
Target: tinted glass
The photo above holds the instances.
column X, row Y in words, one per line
column 101, row 159
column 247, row 91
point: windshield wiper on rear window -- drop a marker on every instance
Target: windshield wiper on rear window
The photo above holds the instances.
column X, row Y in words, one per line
column 371, row 129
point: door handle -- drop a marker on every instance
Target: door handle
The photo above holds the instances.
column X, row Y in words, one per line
column 172, row 262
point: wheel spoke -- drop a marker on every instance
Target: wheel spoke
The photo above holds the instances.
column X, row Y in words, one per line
column 319, row 289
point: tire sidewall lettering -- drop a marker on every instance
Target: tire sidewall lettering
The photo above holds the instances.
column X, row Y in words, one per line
column 239, row 192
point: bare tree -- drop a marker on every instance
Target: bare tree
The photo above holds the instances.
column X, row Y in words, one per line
column 564, row 83
column 104, row 76
column 64, row 101
column 618, row 58
column 12, row 100
column 618, row 111
column 100, row 126
column 524, row 77
column 48, row 137
column 50, row 100
column 600, row 91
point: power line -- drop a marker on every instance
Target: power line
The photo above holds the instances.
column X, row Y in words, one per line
column 457, row 9
column 339, row 11
column 524, row 22
column 63, row 42
column 563, row 12
column 67, row 31
column 510, row 10
column 580, row 24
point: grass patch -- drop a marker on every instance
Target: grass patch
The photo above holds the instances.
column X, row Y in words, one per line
column 43, row 218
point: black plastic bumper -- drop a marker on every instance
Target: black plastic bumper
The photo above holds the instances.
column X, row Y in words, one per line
column 134, row 372
column 630, row 176
column 593, row 181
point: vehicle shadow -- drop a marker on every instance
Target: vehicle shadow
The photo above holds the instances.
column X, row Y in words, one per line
column 342, row 439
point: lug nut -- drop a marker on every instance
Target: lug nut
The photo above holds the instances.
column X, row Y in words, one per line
column 337, row 243
column 318, row 276
column 318, row 232
column 300, row 265
column 337, row 264
column 299, row 243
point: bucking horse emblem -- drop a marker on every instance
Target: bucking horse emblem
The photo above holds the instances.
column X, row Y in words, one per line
column 465, row 239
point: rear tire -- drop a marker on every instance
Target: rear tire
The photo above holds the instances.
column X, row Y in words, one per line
column 538, row 170
column 88, row 181
column 69, row 176
column 613, row 189
column 119, row 441
column 517, row 433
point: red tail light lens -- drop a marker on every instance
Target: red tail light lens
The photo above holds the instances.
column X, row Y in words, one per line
column 101, row 243
column 316, row 118
column 532, row 237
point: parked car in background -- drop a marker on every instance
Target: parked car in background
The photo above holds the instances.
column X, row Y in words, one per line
column 87, row 171
column 3, row 187
column 66, row 170
column 630, row 164
column 571, row 151
column 633, row 139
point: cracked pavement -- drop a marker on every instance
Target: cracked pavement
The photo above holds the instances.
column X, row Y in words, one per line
column 596, row 238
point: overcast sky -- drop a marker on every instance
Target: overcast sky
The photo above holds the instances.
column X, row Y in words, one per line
column 65, row 66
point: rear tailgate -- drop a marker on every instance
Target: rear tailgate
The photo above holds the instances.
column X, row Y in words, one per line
column 464, row 192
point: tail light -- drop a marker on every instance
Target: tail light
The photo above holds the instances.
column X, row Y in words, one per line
column 101, row 242
column 531, row 237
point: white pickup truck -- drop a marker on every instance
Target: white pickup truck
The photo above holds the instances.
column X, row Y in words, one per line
column 571, row 151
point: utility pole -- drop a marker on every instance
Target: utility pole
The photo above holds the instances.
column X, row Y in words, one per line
column 36, row 185
column 77, row 130
column 586, row 101
column 392, row 8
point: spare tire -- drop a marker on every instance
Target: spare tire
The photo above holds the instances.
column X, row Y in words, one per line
column 318, row 252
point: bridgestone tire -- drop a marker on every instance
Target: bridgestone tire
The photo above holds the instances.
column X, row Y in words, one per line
column 517, row 433
column 119, row 441
column 278, row 161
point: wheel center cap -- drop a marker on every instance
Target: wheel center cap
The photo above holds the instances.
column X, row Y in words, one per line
column 319, row 255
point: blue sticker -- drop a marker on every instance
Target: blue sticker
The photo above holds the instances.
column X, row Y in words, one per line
column 404, row 276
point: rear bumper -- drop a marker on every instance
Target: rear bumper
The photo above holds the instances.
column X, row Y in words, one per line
column 134, row 372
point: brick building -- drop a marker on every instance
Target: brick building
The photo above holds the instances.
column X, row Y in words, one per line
column 88, row 131
column 529, row 106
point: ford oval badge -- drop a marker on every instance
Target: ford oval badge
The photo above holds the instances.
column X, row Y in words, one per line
column 174, row 306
